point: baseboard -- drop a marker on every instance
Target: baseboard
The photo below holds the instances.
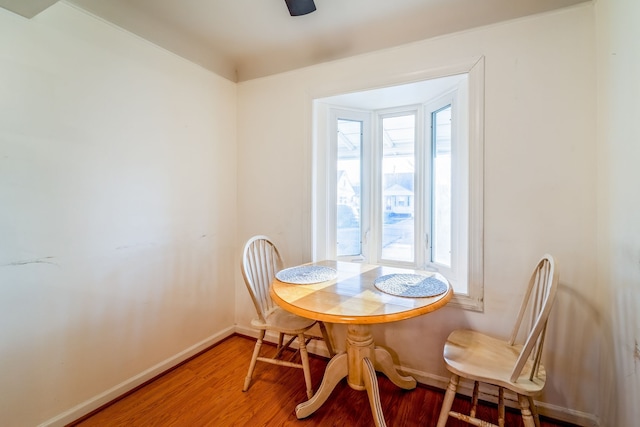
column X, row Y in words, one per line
column 113, row 393
column 490, row 394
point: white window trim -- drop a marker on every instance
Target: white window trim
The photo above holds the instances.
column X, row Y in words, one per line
column 316, row 156
column 474, row 300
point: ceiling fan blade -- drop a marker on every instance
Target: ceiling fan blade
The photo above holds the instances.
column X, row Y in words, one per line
column 300, row 7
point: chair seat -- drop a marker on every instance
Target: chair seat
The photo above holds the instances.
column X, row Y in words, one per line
column 282, row 321
column 480, row 357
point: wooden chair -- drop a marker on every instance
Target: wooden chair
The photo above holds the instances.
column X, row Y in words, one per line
column 260, row 263
column 505, row 364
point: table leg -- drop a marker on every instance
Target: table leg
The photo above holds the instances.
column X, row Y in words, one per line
column 373, row 392
column 359, row 364
column 359, row 345
column 364, row 360
column 384, row 364
column 336, row 370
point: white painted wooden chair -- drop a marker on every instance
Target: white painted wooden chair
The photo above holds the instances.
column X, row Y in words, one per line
column 260, row 263
column 505, row 364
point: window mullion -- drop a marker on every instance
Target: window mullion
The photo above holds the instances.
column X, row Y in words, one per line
column 421, row 189
column 368, row 236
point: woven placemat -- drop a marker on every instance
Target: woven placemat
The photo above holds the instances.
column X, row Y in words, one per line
column 306, row 274
column 410, row 285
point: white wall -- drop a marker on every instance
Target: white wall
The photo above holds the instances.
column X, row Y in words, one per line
column 117, row 212
column 118, row 201
column 618, row 36
column 540, row 162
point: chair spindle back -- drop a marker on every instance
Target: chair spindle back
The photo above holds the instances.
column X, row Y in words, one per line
column 260, row 263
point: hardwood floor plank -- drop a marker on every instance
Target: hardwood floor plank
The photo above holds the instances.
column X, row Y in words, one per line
column 207, row 391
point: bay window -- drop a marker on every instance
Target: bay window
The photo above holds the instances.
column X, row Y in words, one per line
column 396, row 175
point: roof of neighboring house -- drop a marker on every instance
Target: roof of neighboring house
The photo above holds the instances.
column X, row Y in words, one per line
column 397, row 190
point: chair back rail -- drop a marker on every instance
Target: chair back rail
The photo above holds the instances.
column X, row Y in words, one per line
column 538, row 300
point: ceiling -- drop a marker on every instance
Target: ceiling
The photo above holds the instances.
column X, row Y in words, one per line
column 246, row 39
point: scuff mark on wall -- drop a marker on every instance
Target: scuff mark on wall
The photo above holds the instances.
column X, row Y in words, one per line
column 44, row 260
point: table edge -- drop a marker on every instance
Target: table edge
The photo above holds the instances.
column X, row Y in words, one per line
column 363, row 320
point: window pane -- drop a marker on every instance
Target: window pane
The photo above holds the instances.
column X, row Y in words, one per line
column 441, row 209
column 348, row 191
column 398, row 169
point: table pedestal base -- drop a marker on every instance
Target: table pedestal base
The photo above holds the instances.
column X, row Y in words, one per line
column 359, row 365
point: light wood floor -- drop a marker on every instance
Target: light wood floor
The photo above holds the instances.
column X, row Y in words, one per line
column 207, row 391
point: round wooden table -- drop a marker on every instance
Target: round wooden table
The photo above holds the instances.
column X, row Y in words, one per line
column 351, row 298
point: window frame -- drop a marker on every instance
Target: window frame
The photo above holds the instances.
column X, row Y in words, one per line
column 460, row 193
column 377, row 189
column 365, row 223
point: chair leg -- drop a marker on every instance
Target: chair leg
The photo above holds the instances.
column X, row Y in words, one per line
column 304, row 355
column 280, row 340
column 282, row 347
column 327, row 338
column 525, row 409
column 474, row 399
column 500, row 407
column 254, row 358
column 534, row 411
column 448, row 400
